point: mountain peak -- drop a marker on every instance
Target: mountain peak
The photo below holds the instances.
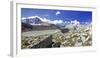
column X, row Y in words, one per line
column 32, row 20
column 32, row 17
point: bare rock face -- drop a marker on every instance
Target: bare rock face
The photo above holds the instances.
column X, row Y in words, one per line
column 64, row 30
column 44, row 43
column 26, row 27
column 55, row 45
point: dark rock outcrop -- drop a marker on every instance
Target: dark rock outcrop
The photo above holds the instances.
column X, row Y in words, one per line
column 56, row 44
column 65, row 30
column 26, row 27
column 44, row 44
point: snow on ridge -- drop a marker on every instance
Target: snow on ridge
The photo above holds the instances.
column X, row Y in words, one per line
column 45, row 20
column 73, row 22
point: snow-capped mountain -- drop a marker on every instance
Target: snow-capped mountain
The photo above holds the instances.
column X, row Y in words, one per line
column 36, row 20
column 32, row 20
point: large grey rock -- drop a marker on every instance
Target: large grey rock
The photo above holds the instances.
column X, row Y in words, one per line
column 44, row 43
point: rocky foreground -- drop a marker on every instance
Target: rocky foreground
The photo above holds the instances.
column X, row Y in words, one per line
column 76, row 36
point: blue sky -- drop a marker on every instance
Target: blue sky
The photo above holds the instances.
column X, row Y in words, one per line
column 64, row 15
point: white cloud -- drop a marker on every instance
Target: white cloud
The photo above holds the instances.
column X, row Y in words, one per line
column 57, row 21
column 33, row 17
column 75, row 22
column 52, row 21
column 58, row 12
column 23, row 18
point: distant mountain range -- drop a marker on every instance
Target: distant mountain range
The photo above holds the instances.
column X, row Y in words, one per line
column 35, row 23
column 36, row 20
